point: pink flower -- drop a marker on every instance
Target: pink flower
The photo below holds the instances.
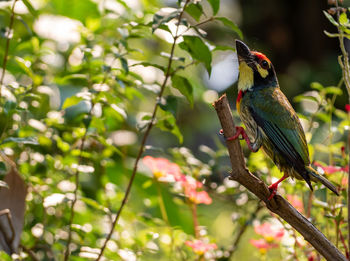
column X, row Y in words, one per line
column 162, row 168
column 192, row 190
column 347, row 107
column 331, row 169
column 200, row 247
column 296, row 202
column 262, row 245
column 269, row 232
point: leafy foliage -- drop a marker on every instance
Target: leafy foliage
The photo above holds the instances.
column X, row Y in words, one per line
column 84, row 81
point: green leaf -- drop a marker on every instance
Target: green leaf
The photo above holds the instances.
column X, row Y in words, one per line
column 147, row 184
column 168, row 123
column 92, row 203
column 215, row 5
column 300, row 98
column 29, row 7
column 9, row 106
column 316, row 86
column 26, row 140
column 80, row 10
column 323, row 116
column 333, row 90
column 330, row 34
column 343, row 19
column 184, row 86
column 124, row 63
column 231, row 25
column 170, row 105
column 195, row 46
column 223, row 48
column 160, row 67
column 71, row 101
column 330, row 18
column 195, row 10
column 159, row 19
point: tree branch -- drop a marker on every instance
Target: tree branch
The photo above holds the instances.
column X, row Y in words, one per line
column 278, row 204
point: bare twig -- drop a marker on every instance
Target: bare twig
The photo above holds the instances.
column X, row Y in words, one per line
column 8, row 38
column 342, row 239
column 29, row 252
column 193, row 207
column 75, row 199
column 278, row 204
column 145, row 136
column 243, row 229
column 9, row 240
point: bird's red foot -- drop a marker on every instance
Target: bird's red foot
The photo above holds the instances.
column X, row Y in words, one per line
column 274, row 186
column 273, row 189
column 241, row 132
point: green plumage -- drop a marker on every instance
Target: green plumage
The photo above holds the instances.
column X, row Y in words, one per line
column 270, row 120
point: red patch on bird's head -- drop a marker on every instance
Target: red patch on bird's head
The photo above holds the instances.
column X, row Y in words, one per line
column 261, row 56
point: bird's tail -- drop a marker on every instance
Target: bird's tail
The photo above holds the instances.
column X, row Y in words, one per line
column 318, row 178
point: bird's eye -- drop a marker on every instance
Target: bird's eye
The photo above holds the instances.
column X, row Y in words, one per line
column 264, row 64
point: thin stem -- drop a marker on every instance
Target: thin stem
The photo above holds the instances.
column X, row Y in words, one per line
column 243, row 229
column 309, row 204
column 342, row 239
column 199, row 24
column 193, row 207
column 77, row 173
column 75, row 199
column 145, row 136
column 8, row 38
column 29, row 252
column 295, row 246
column 337, row 233
column 161, row 203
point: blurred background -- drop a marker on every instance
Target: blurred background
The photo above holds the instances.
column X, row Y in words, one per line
column 63, row 46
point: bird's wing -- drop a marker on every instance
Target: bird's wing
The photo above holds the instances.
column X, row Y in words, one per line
column 277, row 118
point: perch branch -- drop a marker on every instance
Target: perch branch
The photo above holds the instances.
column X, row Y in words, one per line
column 9, row 240
column 278, row 204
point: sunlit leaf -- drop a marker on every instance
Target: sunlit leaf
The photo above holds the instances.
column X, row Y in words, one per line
column 168, row 123
column 195, row 46
column 300, row 98
column 160, row 67
column 330, row 18
column 224, row 48
column 184, row 86
column 316, row 86
column 195, row 10
column 170, row 105
column 227, row 22
column 30, row 7
column 323, row 116
column 333, row 90
column 215, row 5
column 159, row 19
column 343, row 19
column 71, row 101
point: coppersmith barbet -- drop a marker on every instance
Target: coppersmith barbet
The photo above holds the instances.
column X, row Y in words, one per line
column 270, row 120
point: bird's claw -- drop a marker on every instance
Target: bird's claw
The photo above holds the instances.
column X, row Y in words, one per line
column 273, row 189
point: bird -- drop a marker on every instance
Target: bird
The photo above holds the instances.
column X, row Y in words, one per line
column 270, row 120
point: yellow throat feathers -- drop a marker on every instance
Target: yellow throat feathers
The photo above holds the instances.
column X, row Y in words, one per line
column 246, row 77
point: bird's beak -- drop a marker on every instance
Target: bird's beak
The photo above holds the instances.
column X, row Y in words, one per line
column 243, row 52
